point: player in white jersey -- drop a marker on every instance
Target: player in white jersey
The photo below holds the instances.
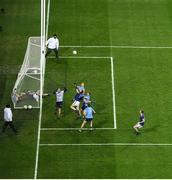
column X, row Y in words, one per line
column 59, row 100
column 36, row 94
column 8, row 119
column 52, row 45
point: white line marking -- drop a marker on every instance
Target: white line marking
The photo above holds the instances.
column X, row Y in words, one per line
column 47, row 20
column 15, row 107
column 113, row 93
column 109, row 144
column 38, row 143
column 79, row 57
column 43, row 5
column 112, row 78
column 69, row 129
column 120, row 47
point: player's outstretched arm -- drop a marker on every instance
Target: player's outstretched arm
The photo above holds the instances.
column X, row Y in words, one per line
column 65, row 89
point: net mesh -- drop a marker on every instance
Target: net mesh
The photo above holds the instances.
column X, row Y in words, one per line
column 27, row 87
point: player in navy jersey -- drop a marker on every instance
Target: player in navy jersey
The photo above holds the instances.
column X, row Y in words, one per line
column 75, row 105
column 141, row 122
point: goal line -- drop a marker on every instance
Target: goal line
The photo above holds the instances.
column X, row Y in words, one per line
column 69, row 129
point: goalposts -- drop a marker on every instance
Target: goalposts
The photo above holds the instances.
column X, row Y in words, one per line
column 28, row 88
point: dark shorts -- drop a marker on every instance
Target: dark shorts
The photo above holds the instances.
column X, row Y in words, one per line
column 59, row 104
column 142, row 124
column 89, row 119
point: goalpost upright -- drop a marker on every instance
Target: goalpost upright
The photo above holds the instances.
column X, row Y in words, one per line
column 28, row 88
column 42, row 59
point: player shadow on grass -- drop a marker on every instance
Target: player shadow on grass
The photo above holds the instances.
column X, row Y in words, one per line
column 135, row 140
column 151, row 129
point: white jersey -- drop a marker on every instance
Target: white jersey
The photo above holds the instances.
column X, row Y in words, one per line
column 36, row 97
column 8, row 114
column 59, row 96
column 53, row 43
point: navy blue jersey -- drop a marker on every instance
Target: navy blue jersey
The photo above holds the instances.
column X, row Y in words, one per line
column 84, row 106
column 78, row 97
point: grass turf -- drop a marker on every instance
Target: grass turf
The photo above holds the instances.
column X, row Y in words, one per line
column 142, row 80
column 17, row 152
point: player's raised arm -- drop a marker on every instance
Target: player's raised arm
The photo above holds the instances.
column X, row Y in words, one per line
column 65, row 89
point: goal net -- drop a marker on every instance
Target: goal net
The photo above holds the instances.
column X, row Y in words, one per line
column 28, row 88
column 26, row 91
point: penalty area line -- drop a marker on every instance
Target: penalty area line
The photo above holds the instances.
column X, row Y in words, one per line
column 113, row 92
column 109, row 144
column 119, row 47
column 112, row 79
column 69, row 129
column 79, row 57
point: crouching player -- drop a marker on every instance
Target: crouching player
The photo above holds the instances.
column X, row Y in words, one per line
column 141, row 122
column 88, row 117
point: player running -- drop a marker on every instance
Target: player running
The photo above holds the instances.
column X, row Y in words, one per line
column 88, row 117
column 141, row 122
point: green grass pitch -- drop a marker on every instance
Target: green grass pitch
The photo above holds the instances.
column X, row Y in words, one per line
column 127, row 30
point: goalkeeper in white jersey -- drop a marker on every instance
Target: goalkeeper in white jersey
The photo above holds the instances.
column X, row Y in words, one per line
column 52, row 45
column 59, row 100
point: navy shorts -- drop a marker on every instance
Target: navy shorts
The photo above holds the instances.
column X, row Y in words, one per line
column 89, row 119
column 59, row 104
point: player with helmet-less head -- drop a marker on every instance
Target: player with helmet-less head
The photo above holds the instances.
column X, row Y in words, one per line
column 141, row 122
column 8, row 119
column 52, row 45
column 88, row 117
column 86, row 101
column 59, row 100
column 80, row 88
column 76, row 102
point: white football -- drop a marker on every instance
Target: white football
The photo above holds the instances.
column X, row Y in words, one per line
column 74, row 52
column 29, row 107
column 25, row 106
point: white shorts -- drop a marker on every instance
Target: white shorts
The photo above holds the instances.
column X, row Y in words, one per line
column 76, row 104
column 138, row 125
